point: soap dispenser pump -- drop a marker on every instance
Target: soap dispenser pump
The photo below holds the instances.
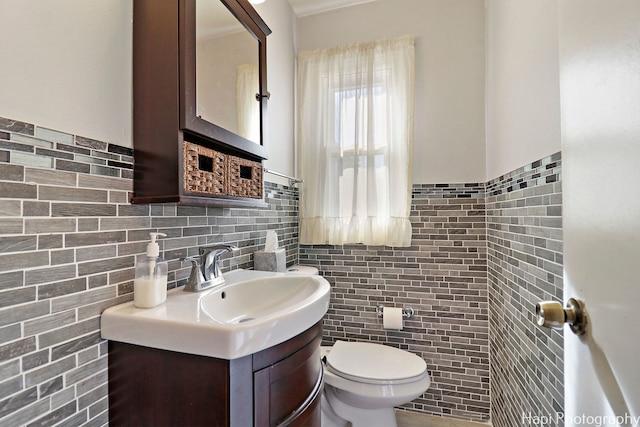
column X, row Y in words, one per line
column 150, row 283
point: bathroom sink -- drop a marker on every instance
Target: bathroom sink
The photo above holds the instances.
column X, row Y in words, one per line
column 252, row 311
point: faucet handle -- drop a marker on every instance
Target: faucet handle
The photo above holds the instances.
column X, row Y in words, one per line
column 196, row 278
column 217, row 249
column 210, row 255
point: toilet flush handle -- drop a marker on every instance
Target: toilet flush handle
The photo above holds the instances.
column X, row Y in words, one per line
column 551, row 314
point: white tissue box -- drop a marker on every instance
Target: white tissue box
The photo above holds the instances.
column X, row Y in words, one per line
column 270, row 261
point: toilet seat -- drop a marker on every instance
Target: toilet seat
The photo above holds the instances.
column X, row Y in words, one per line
column 374, row 363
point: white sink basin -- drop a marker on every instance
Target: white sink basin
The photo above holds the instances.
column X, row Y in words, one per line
column 252, row 311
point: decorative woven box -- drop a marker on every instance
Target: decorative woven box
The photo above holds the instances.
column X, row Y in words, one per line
column 208, row 171
column 244, row 178
column 204, row 170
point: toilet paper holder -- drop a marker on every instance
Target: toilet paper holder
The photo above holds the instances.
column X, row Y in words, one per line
column 407, row 312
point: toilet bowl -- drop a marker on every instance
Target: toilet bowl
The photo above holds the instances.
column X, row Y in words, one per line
column 365, row 381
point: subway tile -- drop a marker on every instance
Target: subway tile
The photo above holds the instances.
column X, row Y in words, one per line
column 17, row 348
column 18, row 401
column 11, row 172
column 85, row 371
column 11, row 280
column 47, row 323
column 32, row 208
column 91, row 239
column 120, row 197
column 49, row 371
column 10, row 333
column 133, row 210
column 49, row 225
column 51, row 177
column 9, row 387
column 79, row 299
column 34, row 360
column 66, row 165
column 15, row 243
column 64, row 287
column 49, row 274
column 10, row 208
column 104, row 171
column 82, row 209
column 126, row 223
column 62, row 257
column 31, row 141
column 75, row 346
column 104, row 183
column 72, row 194
column 10, row 190
column 16, row 126
column 17, row 296
column 82, row 141
column 50, row 387
column 33, row 160
column 66, row 333
column 17, row 148
column 118, row 149
column 53, row 135
column 54, row 153
column 19, row 416
column 95, row 395
column 91, row 160
column 23, row 260
column 65, row 146
column 96, row 252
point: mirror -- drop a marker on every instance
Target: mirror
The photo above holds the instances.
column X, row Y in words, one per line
column 223, row 45
column 227, row 78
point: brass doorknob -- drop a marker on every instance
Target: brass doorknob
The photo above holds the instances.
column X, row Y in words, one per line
column 551, row 314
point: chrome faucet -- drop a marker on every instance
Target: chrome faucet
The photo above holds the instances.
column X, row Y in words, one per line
column 205, row 268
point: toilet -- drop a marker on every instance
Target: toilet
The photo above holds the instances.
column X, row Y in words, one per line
column 365, row 381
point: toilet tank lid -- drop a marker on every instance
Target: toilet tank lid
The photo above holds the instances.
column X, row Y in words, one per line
column 374, row 362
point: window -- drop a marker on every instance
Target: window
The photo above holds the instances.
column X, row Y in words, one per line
column 355, row 133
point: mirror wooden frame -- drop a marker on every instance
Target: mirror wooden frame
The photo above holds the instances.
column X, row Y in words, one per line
column 189, row 120
column 164, row 116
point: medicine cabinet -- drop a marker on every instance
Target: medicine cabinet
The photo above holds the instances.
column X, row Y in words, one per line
column 199, row 102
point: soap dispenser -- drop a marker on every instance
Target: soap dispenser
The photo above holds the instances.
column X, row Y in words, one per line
column 150, row 283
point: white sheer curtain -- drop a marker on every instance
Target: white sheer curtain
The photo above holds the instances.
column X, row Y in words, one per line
column 248, row 107
column 356, row 139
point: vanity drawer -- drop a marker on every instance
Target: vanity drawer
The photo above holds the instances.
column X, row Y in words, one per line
column 288, row 392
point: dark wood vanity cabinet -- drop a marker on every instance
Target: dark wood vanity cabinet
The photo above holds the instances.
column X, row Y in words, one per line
column 228, row 168
column 279, row 386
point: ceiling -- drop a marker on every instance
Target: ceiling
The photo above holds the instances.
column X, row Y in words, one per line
column 309, row 7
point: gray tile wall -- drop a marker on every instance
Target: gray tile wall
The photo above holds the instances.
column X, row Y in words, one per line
column 442, row 276
column 524, row 233
column 68, row 240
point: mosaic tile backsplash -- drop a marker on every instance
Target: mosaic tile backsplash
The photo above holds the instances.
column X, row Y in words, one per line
column 524, row 233
column 442, row 276
column 481, row 256
column 68, row 240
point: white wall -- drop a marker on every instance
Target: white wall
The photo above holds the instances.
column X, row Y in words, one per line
column 66, row 64
column 281, row 77
column 523, row 96
column 449, row 101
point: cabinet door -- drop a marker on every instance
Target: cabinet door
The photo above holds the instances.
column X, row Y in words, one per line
column 288, row 387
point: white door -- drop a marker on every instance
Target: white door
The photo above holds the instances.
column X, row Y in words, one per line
column 600, row 108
